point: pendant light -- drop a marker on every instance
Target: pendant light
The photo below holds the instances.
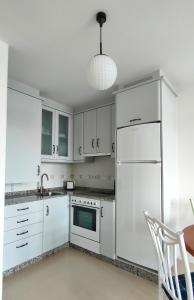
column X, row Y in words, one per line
column 101, row 70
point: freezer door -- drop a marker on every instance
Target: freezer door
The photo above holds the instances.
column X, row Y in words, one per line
column 138, row 189
column 139, row 143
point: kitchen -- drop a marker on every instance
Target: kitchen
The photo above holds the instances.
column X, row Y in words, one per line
column 78, row 177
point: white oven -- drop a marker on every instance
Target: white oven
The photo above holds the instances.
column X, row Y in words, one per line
column 85, row 218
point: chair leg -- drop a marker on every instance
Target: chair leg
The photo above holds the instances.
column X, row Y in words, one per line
column 161, row 295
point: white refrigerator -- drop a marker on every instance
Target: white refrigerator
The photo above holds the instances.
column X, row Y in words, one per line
column 138, row 188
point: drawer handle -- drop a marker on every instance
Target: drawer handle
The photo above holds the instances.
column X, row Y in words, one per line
column 20, row 209
column 133, row 120
column 24, row 232
column 23, row 245
column 22, row 221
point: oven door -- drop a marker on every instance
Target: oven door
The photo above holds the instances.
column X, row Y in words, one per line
column 85, row 222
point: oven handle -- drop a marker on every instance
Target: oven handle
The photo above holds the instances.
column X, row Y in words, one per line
column 85, row 206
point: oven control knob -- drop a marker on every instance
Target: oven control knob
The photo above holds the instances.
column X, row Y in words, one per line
column 80, row 201
column 91, row 202
column 88, row 202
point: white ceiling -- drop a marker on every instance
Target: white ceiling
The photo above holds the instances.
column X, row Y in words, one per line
column 52, row 41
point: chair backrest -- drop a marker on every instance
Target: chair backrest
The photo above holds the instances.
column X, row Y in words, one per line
column 169, row 245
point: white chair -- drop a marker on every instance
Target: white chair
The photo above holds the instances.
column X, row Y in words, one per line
column 169, row 245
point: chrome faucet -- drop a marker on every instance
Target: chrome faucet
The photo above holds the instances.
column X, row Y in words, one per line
column 41, row 183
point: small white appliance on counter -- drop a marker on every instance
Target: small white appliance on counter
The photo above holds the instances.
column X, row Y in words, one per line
column 85, row 223
column 70, row 185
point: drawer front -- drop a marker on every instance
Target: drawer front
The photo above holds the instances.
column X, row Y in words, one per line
column 23, row 208
column 22, row 233
column 22, row 221
column 21, row 251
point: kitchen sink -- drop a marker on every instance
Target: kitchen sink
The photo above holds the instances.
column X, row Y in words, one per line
column 47, row 193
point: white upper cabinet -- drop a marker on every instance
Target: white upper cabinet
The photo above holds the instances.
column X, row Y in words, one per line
column 23, row 138
column 113, row 121
column 140, row 104
column 90, row 132
column 48, row 133
column 57, row 132
column 78, row 137
column 97, row 131
column 103, row 139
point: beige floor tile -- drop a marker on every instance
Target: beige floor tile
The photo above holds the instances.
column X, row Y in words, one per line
column 71, row 274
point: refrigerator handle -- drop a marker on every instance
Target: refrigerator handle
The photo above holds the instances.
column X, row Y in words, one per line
column 139, row 162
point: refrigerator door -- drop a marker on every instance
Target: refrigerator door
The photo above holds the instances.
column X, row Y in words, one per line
column 138, row 189
column 139, row 143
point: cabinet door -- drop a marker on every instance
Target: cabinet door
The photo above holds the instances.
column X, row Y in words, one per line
column 23, row 149
column 56, row 222
column 113, row 122
column 107, row 228
column 63, row 136
column 78, row 136
column 90, row 132
column 103, row 141
column 48, row 132
column 138, row 105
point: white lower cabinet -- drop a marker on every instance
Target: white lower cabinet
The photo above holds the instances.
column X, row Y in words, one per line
column 107, row 228
column 23, row 229
column 21, row 251
column 56, row 222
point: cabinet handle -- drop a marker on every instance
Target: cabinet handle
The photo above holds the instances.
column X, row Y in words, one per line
column 24, row 232
column 97, row 142
column 22, row 221
column 47, row 210
column 23, row 245
column 93, row 140
column 101, row 210
column 134, row 120
column 113, row 147
column 20, row 209
column 80, row 150
column 53, row 149
column 38, row 170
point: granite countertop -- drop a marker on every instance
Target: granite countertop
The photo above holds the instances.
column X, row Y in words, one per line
column 29, row 196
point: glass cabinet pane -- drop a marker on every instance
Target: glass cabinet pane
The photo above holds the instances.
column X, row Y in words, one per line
column 47, row 131
column 63, row 135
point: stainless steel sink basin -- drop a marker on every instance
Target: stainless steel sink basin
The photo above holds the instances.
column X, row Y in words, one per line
column 50, row 194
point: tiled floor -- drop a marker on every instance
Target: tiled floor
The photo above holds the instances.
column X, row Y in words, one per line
column 74, row 275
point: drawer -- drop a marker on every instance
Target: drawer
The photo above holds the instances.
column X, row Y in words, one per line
column 21, row 251
column 23, row 208
column 21, row 221
column 23, row 232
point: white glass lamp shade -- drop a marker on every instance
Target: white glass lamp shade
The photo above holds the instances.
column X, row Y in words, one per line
column 101, row 72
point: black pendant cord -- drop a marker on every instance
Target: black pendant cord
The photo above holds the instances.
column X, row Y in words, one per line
column 101, row 19
column 100, row 40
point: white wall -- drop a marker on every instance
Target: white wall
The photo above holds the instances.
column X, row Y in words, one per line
column 186, row 155
column 3, row 114
column 98, row 174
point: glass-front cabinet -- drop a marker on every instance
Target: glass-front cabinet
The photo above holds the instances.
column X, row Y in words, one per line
column 48, row 131
column 56, row 135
